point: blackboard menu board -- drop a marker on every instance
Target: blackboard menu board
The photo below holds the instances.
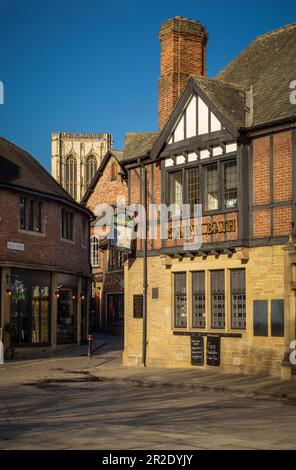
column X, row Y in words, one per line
column 197, row 350
column 213, row 351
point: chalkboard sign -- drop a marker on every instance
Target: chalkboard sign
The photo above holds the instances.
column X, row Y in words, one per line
column 213, row 351
column 197, row 350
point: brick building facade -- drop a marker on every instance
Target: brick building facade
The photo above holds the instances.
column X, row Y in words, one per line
column 45, row 290
column 108, row 184
column 229, row 144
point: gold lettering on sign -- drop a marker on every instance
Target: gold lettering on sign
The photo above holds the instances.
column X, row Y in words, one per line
column 222, row 226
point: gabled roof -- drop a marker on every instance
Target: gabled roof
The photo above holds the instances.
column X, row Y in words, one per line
column 268, row 64
column 20, row 171
column 138, row 144
column 227, row 102
column 229, row 99
column 118, row 155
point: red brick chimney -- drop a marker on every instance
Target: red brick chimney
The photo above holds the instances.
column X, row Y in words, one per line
column 183, row 52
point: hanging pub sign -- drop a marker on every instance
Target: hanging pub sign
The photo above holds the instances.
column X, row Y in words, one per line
column 213, row 351
column 123, row 233
column 197, row 350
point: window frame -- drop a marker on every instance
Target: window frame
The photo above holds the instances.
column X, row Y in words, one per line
column 212, row 293
column 177, row 294
column 202, row 165
column 116, row 259
column 202, row 292
column 65, row 230
column 231, row 299
column 31, row 215
column 97, row 243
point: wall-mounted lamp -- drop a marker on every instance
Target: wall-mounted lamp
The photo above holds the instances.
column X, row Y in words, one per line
column 73, row 297
column 57, row 294
column 8, row 292
column 82, row 297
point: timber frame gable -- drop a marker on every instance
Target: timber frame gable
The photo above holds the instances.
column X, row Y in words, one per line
column 208, row 134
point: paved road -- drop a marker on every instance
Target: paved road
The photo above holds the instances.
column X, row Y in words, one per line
column 57, row 407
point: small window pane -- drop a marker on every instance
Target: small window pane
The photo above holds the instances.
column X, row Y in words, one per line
column 180, row 301
column 94, row 251
column 211, row 187
column 193, row 188
column 238, row 299
column 23, row 213
column 176, row 191
column 230, row 184
column 218, row 299
column 198, row 300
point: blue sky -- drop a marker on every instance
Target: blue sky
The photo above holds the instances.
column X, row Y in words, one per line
column 92, row 65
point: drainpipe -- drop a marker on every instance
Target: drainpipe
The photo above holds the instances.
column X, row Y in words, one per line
column 145, row 270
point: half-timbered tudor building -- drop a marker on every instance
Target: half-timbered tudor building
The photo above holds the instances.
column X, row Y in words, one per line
column 107, row 307
column 228, row 143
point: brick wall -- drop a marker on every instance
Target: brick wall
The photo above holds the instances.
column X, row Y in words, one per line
column 46, row 249
column 183, row 52
column 107, row 190
column 272, row 185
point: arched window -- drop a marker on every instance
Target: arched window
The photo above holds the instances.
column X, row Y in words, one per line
column 71, row 176
column 94, row 251
column 91, row 168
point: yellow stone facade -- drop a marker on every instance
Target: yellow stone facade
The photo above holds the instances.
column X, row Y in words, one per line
column 270, row 273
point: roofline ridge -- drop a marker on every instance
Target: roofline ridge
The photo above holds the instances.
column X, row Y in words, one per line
column 276, row 31
column 69, row 197
column 222, row 82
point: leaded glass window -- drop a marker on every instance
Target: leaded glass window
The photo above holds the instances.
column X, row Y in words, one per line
column 211, row 187
column 180, row 301
column 238, row 299
column 230, row 184
column 218, row 299
column 198, row 300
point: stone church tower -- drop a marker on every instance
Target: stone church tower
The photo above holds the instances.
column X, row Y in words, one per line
column 75, row 158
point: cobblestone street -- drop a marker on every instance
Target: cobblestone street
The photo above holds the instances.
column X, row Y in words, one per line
column 63, row 403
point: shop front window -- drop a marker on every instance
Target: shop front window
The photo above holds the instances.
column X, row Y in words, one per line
column 29, row 314
column 66, row 316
